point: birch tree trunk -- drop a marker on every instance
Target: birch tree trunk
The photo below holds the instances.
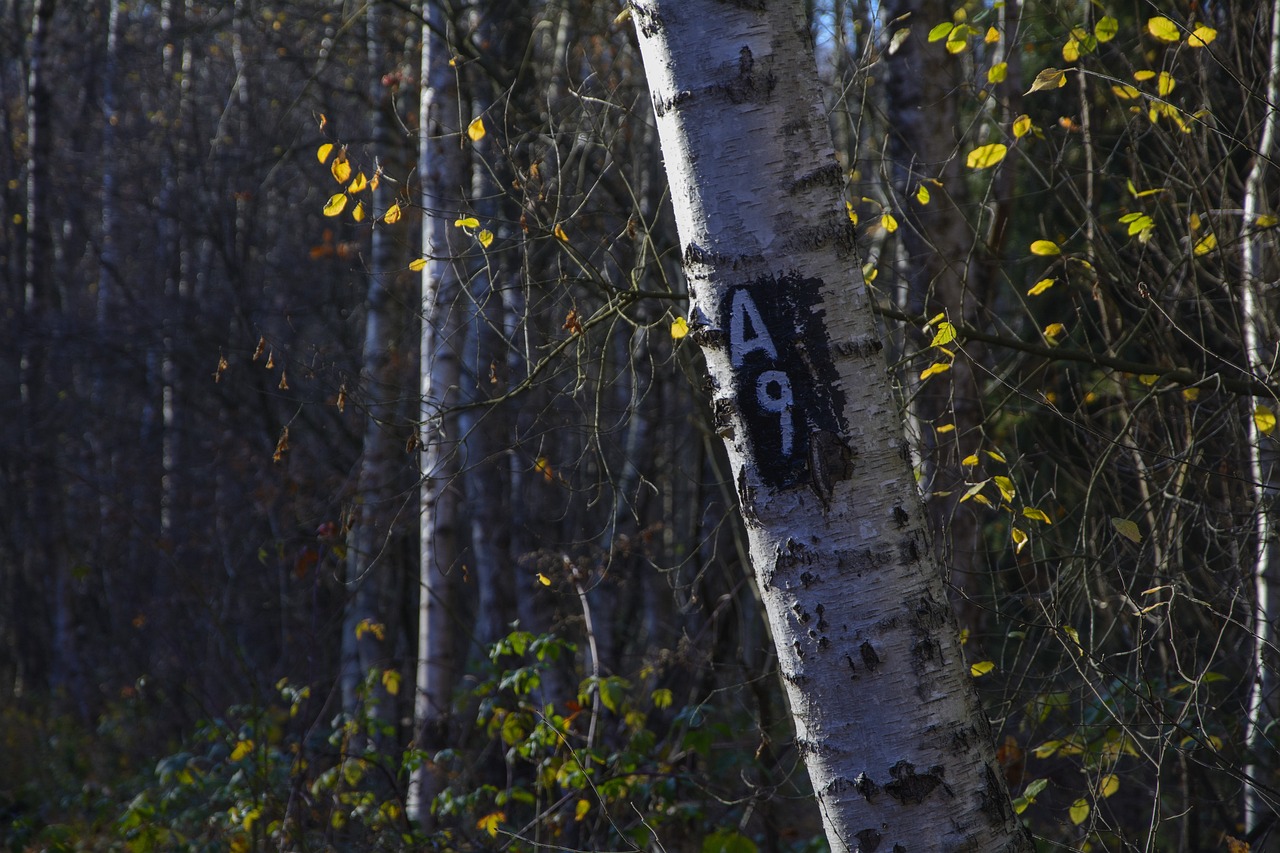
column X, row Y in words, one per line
column 898, row 749
column 1259, row 333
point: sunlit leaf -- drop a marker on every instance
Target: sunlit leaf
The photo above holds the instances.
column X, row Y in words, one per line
column 341, row 169
column 358, row 184
column 986, row 156
column 981, row 668
column 1041, row 286
column 679, row 328
column 242, row 748
column 1079, row 811
column 1045, row 248
column 1035, row 514
column 1266, row 220
column 1149, row 379
column 467, row 222
column 973, row 492
column 1019, row 540
column 888, row 223
column 941, row 31
column 560, row 235
column 1143, row 75
column 970, row 460
column 392, row 215
column 358, row 212
column 898, row 38
column 661, row 697
column 1190, row 394
column 1205, row 244
column 1050, row 78
column 958, row 38
column 485, row 238
column 946, row 334
column 580, row 810
column 335, row 204
column 998, row 72
column 1165, row 83
column 945, row 428
column 543, row 579
column 853, row 214
column 1127, row 529
column 1165, row 30
column 935, row 369
column 1071, row 50
column 995, row 454
column 489, row 823
column 418, row 264
column 1005, row 485
column 1265, row 419
column 922, row 194
column 1201, row 36
column 475, row 130
column 323, row 152
column 1125, row 92
column 992, row 36
column 1106, row 28
column 391, row 681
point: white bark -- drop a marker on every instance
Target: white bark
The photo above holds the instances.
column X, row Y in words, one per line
column 442, row 171
column 1263, row 455
column 896, row 744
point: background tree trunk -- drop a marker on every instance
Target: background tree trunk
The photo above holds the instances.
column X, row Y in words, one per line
column 898, row 749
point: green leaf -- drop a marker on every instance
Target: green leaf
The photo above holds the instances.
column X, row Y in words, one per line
column 1079, row 811
column 1127, row 529
column 1108, row 785
column 1106, row 28
column 941, row 31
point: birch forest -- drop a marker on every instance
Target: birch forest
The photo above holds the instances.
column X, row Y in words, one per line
column 364, row 487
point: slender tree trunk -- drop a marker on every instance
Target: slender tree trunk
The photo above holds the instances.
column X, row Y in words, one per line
column 1264, row 456
column 442, row 170
column 898, row 749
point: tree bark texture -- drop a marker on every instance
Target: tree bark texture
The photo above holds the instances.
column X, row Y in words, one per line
column 898, row 749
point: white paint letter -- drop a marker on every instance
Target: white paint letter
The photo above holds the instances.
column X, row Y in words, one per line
column 773, row 390
column 741, row 312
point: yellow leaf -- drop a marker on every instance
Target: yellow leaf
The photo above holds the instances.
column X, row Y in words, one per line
column 391, row 681
column 887, row 222
column 341, row 169
column 358, row 213
column 560, row 235
column 485, row 237
column 1149, row 379
column 986, row 156
column 467, row 222
column 958, row 38
column 1265, row 419
column 323, row 152
column 1106, row 28
column 922, row 194
column 358, row 184
column 679, row 328
column 981, row 668
column 1165, row 83
column 1125, row 92
column 543, row 579
column 580, row 810
column 1143, row 75
column 1201, row 36
column 945, row 428
column 418, row 264
column 1045, row 248
column 335, row 204
column 1190, row 394
column 1046, row 749
column 946, row 334
column 392, row 215
column 1021, row 126
column 992, row 36
column 1071, row 50
column 1005, row 485
column 475, row 130
column 242, row 748
column 970, row 460
column 1205, row 244
column 1054, row 330
column 1194, row 222
column 1127, row 529
column 1266, row 220
column 994, row 454
column 934, row 370
column 489, row 823
column 1108, row 785
column 1050, row 78
column 1079, row 811
column 1041, row 286
column 1035, row 514
column 1165, row 30
column 1019, row 540
column 998, row 72
column 853, row 215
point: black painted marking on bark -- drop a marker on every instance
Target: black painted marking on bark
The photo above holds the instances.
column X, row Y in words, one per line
column 908, row 786
column 870, row 659
column 784, row 380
